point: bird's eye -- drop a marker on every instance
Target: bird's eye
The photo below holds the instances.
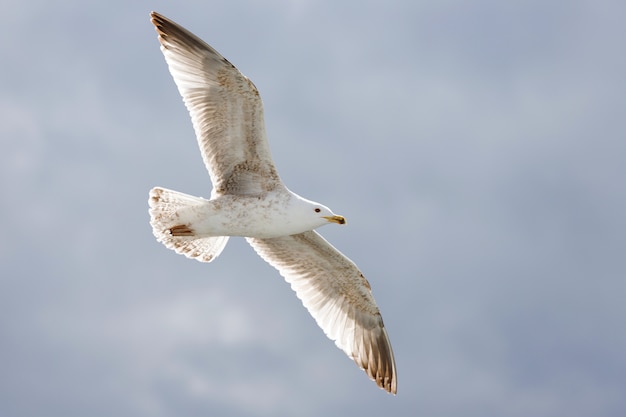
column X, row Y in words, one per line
column 317, row 210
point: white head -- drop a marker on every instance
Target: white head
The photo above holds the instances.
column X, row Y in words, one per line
column 312, row 215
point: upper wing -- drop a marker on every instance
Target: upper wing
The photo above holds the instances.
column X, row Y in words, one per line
column 226, row 111
column 338, row 297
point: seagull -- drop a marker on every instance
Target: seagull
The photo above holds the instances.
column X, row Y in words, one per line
column 250, row 200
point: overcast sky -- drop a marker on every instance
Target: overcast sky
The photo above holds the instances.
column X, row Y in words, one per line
column 477, row 150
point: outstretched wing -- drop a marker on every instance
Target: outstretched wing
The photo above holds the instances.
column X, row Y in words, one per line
column 338, row 297
column 226, row 111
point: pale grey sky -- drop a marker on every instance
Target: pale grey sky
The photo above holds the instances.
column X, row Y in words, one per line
column 476, row 149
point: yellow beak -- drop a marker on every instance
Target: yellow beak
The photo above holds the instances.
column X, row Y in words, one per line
column 335, row 219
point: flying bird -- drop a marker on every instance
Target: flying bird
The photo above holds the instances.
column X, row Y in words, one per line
column 250, row 200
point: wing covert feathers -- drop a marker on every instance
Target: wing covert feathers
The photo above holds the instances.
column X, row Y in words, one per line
column 226, row 111
column 338, row 297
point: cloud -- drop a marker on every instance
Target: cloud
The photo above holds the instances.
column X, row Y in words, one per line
column 476, row 153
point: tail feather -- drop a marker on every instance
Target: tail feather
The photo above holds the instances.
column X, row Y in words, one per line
column 165, row 206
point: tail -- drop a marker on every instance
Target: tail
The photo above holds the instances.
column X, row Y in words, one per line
column 165, row 206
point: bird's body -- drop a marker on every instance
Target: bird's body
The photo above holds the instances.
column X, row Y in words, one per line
column 279, row 212
column 250, row 200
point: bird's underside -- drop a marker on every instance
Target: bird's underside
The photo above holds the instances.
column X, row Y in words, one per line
column 227, row 115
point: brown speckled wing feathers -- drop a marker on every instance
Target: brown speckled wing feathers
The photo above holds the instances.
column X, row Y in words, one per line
column 338, row 297
column 226, row 111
